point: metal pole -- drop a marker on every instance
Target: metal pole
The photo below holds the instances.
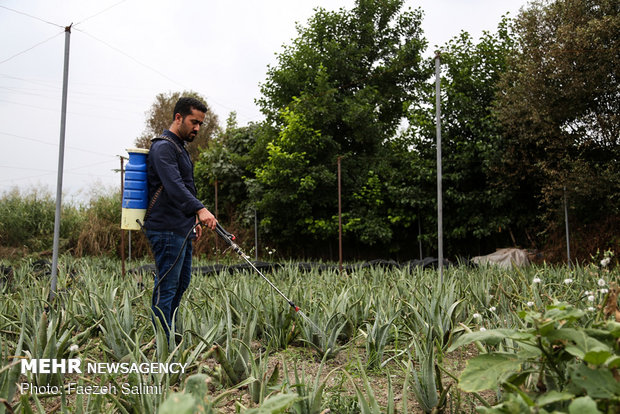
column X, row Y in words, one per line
column 122, row 231
column 420, row 236
column 339, row 218
column 439, row 178
column 129, row 257
column 255, row 235
column 217, row 257
column 566, row 222
column 61, row 161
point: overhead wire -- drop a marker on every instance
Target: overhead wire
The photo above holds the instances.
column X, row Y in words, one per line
column 98, row 13
column 30, row 48
column 41, row 141
column 33, row 17
column 152, row 69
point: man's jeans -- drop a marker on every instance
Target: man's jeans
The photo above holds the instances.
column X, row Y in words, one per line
column 166, row 245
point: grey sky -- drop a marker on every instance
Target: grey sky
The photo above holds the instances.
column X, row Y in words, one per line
column 123, row 53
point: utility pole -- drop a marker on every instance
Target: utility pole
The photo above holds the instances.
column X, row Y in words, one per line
column 122, row 231
column 567, row 236
column 439, row 178
column 339, row 217
column 61, row 161
column 255, row 235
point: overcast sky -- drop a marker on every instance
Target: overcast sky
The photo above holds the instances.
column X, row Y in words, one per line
column 123, row 53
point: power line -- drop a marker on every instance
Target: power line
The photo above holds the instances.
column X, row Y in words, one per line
column 97, row 14
column 34, row 17
column 156, row 71
column 48, row 172
column 54, row 144
column 30, row 48
column 70, row 112
column 130, row 57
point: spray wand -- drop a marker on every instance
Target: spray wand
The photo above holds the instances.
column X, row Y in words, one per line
column 230, row 239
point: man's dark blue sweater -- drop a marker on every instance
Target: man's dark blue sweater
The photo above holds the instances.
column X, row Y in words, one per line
column 176, row 206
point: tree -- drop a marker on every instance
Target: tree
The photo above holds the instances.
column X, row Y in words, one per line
column 227, row 159
column 341, row 89
column 559, row 105
column 159, row 117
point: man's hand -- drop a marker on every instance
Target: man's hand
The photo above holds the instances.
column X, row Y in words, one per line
column 205, row 217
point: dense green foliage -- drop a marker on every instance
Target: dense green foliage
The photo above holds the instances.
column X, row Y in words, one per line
column 476, row 207
column 526, row 111
column 529, row 120
column 27, row 221
column 559, row 106
column 340, row 90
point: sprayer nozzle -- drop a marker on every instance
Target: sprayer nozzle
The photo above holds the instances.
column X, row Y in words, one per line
column 296, row 308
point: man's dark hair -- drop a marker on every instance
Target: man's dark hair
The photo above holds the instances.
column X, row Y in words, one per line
column 185, row 105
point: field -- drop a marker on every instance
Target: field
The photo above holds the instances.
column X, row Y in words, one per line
column 374, row 340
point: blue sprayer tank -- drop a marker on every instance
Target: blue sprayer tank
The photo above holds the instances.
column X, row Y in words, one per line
column 135, row 192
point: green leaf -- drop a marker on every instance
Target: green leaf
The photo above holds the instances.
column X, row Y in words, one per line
column 178, row 403
column 614, row 328
column 491, row 337
column 553, row 397
column 583, row 405
column 613, row 362
column 275, row 405
column 488, row 371
column 597, row 383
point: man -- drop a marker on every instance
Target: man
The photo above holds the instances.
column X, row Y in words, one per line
column 174, row 209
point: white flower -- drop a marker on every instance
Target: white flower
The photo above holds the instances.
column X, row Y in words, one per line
column 605, row 261
column 591, row 298
column 483, row 329
column 601, row 282
column 536, row 280
column 492, row 308
column 530, row 304
column 568, row 281
column 74, row 348
column 603, row 290
column 591, row 309
column 477, row 316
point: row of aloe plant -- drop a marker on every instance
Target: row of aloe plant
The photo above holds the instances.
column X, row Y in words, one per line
column 403, row 320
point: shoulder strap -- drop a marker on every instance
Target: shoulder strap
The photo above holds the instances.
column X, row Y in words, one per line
column 161, row 187
column 178, row 147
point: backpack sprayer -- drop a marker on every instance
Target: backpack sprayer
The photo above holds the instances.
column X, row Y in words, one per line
column 135, row 205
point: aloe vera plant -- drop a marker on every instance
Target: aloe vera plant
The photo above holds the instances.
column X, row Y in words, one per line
column 377, row 336
column 323, row 334
column 264, row 380
column 367, row 402
column 427, row 384
column 10, row 372
column 435, row 310
column 236, row 358
column 311, row 395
